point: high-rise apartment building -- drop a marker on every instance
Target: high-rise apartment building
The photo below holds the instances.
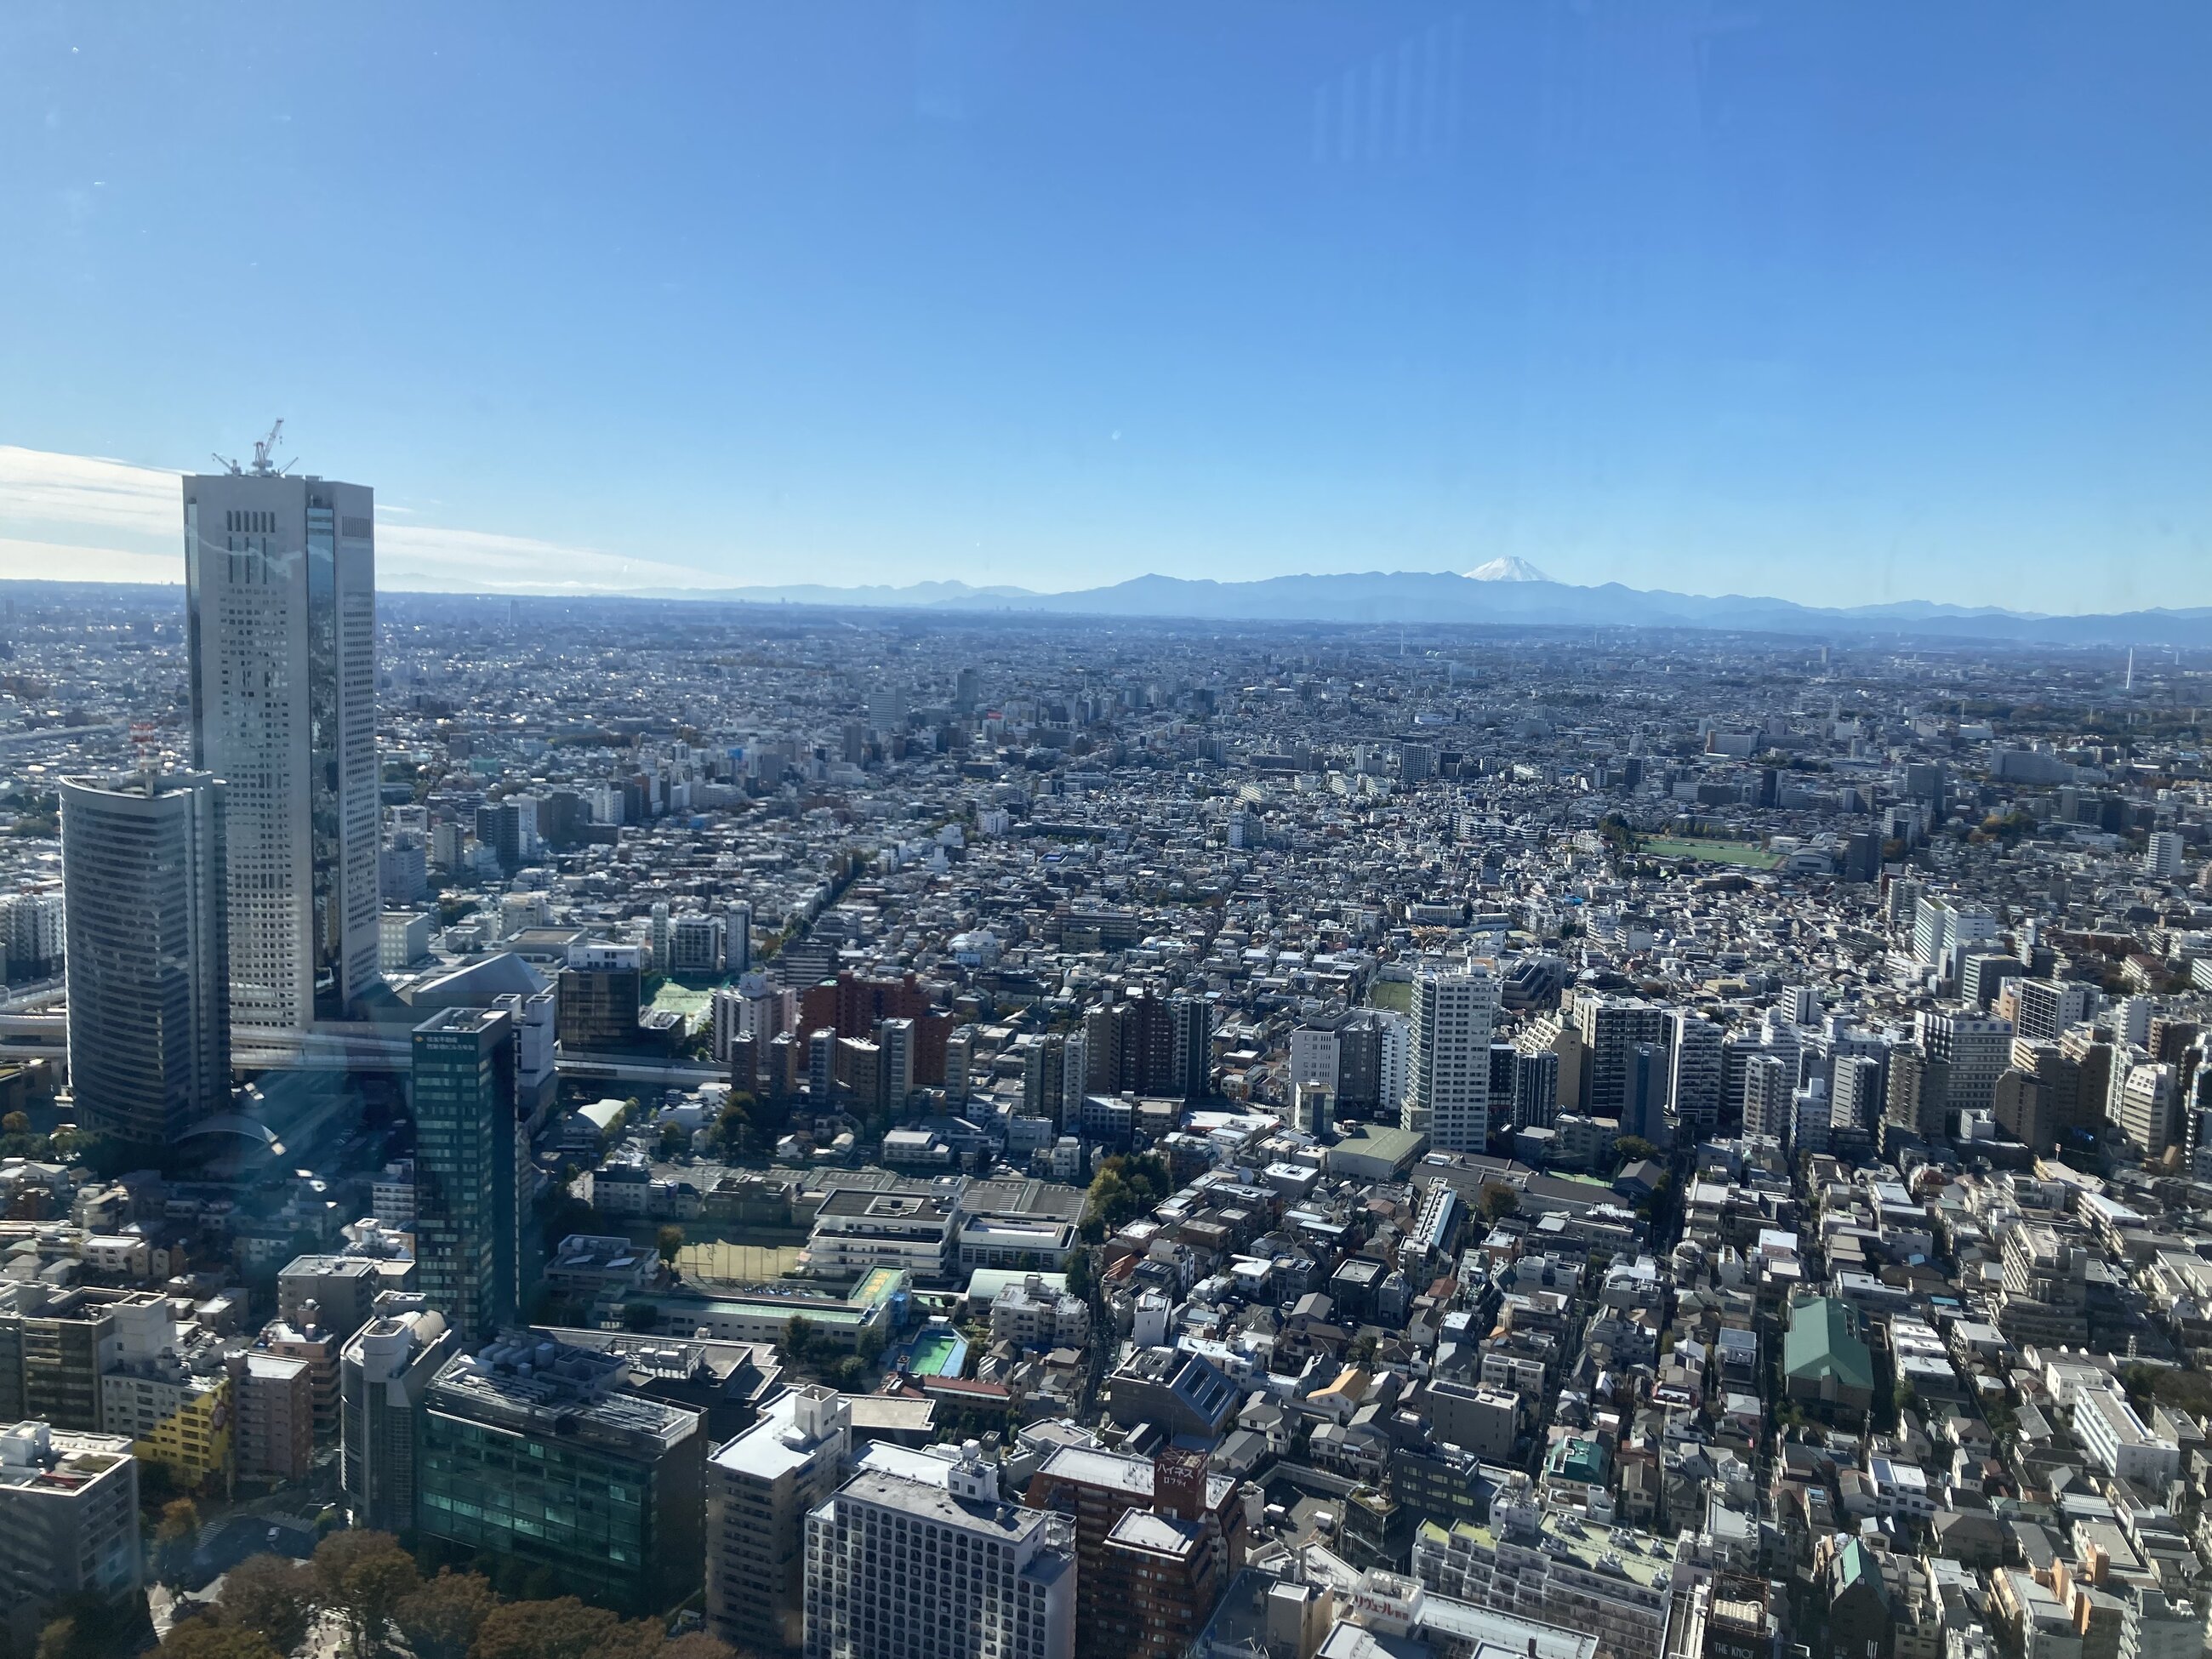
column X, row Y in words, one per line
column 2162, row 859
column 1693, row 1090
column 2145, row 1106
column 280, row 576
column 738, row 938
column 2043, row 1010
column 760, row 1486
column 1156, row 1539
column 148, row 958
column 31, row 931
column 69, row 1515
column 1612, row 1029
column 1315, row 1051
column 55, row 1344
column 1192, row 1018
column 1769, row 1098
column 468, row 1153
column 899, row 1568
column 1447, row 1090
column 1917, row 1096
column 1974, row 1046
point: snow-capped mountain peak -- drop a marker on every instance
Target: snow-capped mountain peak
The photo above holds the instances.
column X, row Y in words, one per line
column 1507, row 570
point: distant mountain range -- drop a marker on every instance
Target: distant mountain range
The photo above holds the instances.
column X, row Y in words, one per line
column 1504, row 593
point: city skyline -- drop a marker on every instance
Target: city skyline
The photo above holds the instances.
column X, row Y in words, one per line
column 1829, row 305
column 980, row 831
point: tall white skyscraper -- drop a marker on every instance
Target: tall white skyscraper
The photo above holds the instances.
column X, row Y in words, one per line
column 280, row 574
column 1448, row 1085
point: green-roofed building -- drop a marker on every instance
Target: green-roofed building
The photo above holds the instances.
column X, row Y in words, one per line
column 1826, row 1366
column 1860, row 1625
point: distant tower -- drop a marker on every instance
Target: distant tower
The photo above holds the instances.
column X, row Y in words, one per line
column 280, row 577
column 148, row 961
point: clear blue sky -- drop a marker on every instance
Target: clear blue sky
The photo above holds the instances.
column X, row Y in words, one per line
column 1838, row 301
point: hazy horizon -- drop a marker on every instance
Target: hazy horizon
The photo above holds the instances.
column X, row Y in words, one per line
column 1837, row 305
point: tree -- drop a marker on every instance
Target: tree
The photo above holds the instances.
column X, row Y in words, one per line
column 84, row 1626
column 1497, row 1200
column 1126, row 1187
column 561, row 1629
column 271, row 1594
column 214, row 1639
column 16, row 1123
column 442, row 1620
column 797, row 1339
column 1079, row 1275
column 675, row 1139
column 696, row 1645
column 1632, row 1147
column 174, row 1538
column 363, row 1575
column 671, row 1240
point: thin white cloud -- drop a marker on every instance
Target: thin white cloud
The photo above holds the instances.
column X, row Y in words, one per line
column 69, row 561
column 86, row 493
column 81, row 518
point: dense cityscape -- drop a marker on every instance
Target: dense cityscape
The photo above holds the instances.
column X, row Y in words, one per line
column 617, row 1126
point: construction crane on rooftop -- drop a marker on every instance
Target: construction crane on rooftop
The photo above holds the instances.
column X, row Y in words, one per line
column 263, row 467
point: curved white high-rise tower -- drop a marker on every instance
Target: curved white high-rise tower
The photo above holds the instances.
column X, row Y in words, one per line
column 148, row 1027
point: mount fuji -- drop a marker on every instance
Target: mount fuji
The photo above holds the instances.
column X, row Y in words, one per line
column 1507, row 570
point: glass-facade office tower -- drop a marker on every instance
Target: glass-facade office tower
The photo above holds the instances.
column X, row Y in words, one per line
column 148, row 1017
column 468, row 1153
column 280, row 576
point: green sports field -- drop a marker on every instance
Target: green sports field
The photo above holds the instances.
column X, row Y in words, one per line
column 1744, row 853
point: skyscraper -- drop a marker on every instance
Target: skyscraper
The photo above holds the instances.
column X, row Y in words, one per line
column 148, row 965
column 1448, row 1088
column 468, row 1151
column 280, row 577
column 1694, row 1092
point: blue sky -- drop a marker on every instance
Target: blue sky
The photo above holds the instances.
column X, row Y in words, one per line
column 1840, row 302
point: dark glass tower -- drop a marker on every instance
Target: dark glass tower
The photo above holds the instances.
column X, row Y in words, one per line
column 469, row 1153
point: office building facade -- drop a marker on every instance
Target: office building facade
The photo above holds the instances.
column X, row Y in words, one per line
column 385, row 1375
column 530, row 1451
column 280, row 576
column 148, row 961
column 469, row 1157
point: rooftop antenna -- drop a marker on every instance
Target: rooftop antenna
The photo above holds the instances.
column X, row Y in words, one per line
column 143, row 743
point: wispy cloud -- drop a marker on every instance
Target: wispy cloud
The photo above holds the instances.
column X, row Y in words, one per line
column 82, row 518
